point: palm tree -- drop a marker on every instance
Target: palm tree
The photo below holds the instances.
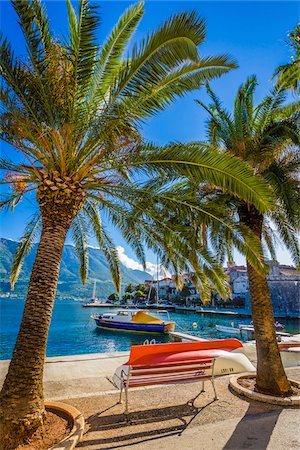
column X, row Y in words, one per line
column 266, row 136
column 289, row 74
column 72, row 109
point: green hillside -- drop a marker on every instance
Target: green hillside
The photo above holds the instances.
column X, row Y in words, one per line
column 69, row 284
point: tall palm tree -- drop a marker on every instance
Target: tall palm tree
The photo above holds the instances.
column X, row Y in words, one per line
column 266, row 136
column 72, row 109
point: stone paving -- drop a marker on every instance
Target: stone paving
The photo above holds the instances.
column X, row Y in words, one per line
column 160, row 417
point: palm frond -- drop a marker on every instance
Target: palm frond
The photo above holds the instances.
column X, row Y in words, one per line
column 36, row 29
column 80, row 231
column 28, row 240
column 171, row 44
column 109, row 59
column 83, row 42
column 289, row 236
column 199, row 163
column 172, row 83
column 105, row 242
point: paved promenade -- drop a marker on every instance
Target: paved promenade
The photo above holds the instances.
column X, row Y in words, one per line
column 160, row 417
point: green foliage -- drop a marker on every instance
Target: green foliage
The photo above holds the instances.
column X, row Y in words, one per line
column 185, row 291
column 130, row 288
column 75, row 109
column 26, row 244
column 139, row 295
column 127, row 296
column 288, row 75
column 266, row 136
column 114, row 297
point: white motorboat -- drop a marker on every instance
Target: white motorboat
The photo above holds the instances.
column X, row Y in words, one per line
column 134, row 320
column 289, row 348
column 229, row 330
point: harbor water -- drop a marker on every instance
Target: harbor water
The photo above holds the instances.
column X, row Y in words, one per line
column 73, row 332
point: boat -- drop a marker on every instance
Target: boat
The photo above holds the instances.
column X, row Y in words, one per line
column 98, row 304
column 247, row 329
column 228, row 330
column 138, row 321
column 278, row 326
column 94, row 302
column 289, row 348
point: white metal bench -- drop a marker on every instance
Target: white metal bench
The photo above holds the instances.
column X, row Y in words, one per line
column 164, row 373
column 180, row 363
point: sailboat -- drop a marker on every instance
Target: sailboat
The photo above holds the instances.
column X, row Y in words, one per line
column 93, row 301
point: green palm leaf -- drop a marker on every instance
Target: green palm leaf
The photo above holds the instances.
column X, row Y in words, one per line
column 80, row 232
column 29, row 238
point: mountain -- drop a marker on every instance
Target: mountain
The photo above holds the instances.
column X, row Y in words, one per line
column 69, row 284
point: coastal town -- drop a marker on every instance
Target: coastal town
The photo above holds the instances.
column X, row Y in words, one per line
column 283, row 281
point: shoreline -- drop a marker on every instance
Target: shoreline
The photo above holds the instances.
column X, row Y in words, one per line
column 237, row 312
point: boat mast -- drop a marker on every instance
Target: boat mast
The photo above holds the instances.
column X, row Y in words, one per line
column 157, row 283
column 94, row 290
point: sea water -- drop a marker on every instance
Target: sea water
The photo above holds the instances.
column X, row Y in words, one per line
column 73, row 332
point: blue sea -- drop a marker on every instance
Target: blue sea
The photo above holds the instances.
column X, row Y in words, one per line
column 73, row 332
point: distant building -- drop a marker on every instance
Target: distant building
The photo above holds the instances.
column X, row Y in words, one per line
column 234, row 271
column 167, row 288
column 283, row 281
column 240, row 285
column 284, row 284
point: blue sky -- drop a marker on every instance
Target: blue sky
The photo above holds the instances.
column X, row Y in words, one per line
column 255, row 33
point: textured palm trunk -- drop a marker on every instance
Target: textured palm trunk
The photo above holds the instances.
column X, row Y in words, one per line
column 21, row 399
column 271, row 377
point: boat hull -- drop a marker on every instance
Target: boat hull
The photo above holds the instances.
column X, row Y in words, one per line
column 134, row 327
column 290, row 353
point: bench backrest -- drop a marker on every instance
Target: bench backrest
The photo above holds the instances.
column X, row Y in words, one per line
column 171, row 372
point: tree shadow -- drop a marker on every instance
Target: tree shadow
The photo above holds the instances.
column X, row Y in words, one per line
column 254, row 430
column 184, row 413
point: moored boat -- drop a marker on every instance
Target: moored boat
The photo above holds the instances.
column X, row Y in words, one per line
column 228, row 330
column 138, row 321
column 248, row 330
column 290, row 351
column 278, row 326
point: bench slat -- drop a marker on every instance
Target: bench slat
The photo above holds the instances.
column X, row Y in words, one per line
column 165, row 380
column 173, row 363
column 175, row 370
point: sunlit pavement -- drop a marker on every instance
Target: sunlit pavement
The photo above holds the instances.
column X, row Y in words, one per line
column 160, row 417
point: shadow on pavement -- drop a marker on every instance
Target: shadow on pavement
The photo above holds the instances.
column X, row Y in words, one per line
column 249, row 434
column 185, row 414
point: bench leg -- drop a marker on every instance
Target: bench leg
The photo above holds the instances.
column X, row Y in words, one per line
column 126, row 398
column 192, row 401
column 202, row 390
column 213, row 380
column 214, row 388
column 121, row 392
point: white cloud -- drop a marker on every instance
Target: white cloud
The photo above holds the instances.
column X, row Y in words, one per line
column 135, row 265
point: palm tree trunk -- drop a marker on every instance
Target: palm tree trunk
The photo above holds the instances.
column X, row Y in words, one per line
column 270, row 378
column 21, row 399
